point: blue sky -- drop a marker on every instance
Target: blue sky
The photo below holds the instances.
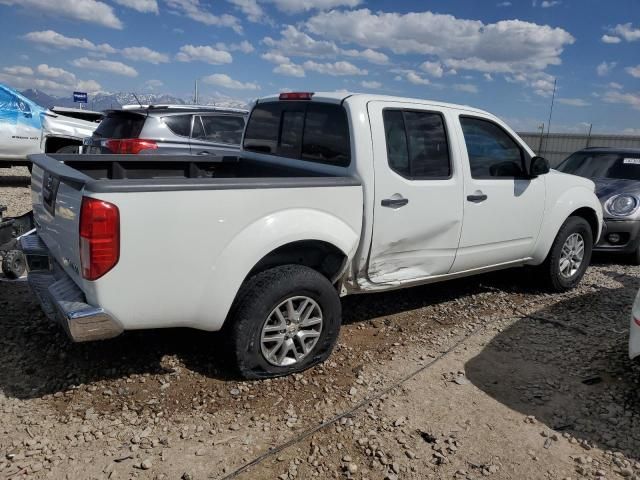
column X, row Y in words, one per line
column 502, row 56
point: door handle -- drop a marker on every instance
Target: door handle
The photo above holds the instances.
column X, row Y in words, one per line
column 477, row 197
column 394, row 202
column 204, row 152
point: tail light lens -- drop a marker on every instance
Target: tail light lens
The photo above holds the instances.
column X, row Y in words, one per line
column 296, row 96
column 131, row 146
column 99, row 237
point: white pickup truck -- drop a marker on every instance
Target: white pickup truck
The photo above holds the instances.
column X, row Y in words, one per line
column 333, row 194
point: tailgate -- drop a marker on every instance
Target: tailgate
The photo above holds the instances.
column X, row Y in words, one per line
column 56, row 193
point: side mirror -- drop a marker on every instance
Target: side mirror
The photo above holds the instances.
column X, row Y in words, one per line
column 538, row 166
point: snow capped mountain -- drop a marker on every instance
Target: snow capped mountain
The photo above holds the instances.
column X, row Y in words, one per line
column 106, row 100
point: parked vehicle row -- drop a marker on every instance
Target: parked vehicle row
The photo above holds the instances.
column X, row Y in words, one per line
column 27, row 128
column 332, row 194
column 169, row 130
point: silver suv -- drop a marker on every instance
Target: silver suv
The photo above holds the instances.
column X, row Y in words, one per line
column 170, row 130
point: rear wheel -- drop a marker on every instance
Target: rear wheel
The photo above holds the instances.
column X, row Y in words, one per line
column 569, row 256
column 13, row 264
column 285, row 320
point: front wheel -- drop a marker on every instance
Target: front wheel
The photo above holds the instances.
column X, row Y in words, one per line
column 569, row 256
column 285, row 320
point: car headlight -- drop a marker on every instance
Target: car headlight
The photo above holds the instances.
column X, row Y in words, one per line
column 622, row 205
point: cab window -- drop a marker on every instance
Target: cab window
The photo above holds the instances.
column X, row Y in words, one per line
column 492, row 152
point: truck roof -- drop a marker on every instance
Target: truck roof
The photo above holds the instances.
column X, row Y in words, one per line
column 180, row 108
column 341, row 96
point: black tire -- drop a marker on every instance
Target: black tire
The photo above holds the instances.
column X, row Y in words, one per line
column 257, row 299
column 13, row 264
column 69, row 149
column 550, row 269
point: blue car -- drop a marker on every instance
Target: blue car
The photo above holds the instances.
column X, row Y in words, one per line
column 20, row 127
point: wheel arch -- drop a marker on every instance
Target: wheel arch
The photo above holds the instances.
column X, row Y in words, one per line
column 309, row 237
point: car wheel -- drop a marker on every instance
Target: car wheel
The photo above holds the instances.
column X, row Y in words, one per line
column 285, row 320
column 69, row 149
column 569, row 256
column 13, row 264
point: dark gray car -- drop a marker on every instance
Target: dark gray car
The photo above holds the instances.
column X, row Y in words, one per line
column 169, row 129
column 616, row 173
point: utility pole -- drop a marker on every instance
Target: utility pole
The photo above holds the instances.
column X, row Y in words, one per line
column 589, row 135
column 195, row 96
column 541, row 128
column 553, row 98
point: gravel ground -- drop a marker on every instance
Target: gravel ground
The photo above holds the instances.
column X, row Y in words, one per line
column 485, row 377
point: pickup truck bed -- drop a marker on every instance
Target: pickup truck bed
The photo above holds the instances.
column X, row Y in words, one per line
column 190, row 230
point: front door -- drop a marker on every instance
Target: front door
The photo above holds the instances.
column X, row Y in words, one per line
column 503, row 209
column 418, row 193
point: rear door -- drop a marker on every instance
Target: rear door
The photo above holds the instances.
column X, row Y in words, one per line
column 503, row 208
column 418, row 193
column 216, row 133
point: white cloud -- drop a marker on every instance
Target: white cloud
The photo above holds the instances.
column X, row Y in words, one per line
column 300, row 44
column 275, row 57
column 488, row 77
column 413, row 77
column 633, row 71
column 250, row 8
column 540, row 82
column 466, row 87
column 284, row 64
column 52, row 79
column 550, row 3
column 610, row 39
column 626, row 31
column 89, row 86
column 371, row 56
column 143, row 6
column 57, row 40
column 244, row 47
column 372, row 84
column 631, row 99
column 153, row 84
column 193, row 10
column 290, row 70
column 59, row 74
column 574, row 102
column 335, row 69
column 225, row 81
column 433, row 69
column 144, row 54
column 192, row 53
column 615, row 86
column 91, row 11
column 605, row 68
column 506, row 46
column 109, row 66
column 504, row 4
column 631, row 131
column 18, row 70
column 299, row 6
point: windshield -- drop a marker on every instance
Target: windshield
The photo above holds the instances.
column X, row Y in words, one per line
column 625, row 166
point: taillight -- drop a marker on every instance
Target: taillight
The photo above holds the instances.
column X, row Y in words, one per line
column 296, row 96
column 99, row 237
column 637, row 320
column 130, row 145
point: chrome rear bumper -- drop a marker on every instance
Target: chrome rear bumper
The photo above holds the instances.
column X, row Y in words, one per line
column 61, row 299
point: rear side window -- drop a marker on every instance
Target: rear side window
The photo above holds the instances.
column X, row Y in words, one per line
column 120, row 125
column 221, row 129
column 417, row 145
column 179, row 124
column 314, row 132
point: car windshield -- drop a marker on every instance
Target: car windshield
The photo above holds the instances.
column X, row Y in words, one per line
column 618, row 165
